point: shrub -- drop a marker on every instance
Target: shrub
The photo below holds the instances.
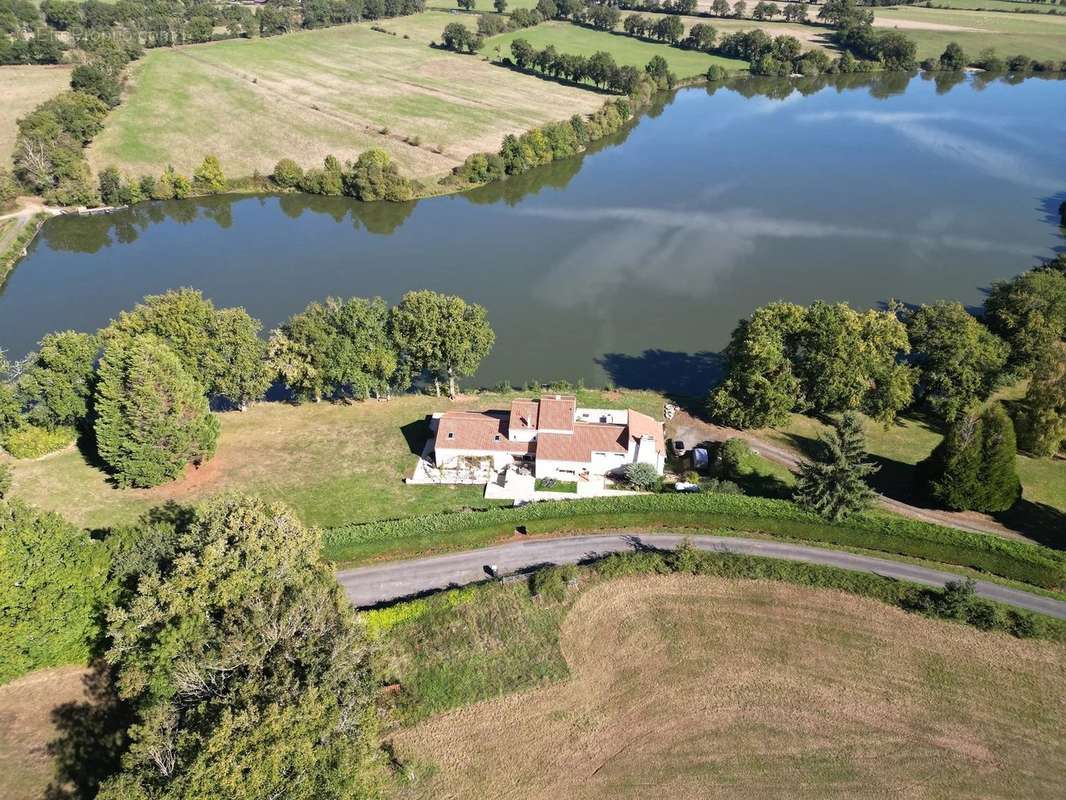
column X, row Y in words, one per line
column 642, row 477
column 5, row 480
column 208, row 177
column 731, row 455
column 31, row 441
column 553, row 582
column 51, row 581
column 287, row 173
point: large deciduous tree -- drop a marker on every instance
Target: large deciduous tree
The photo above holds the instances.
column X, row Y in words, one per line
column 834, row 485
column 441, row 334
column 336, row 348
column 152, row 418
column 959, row 359
column 51, row 580
column 1029, row 312
column 1041, row 419
column 246, row 670
column 220, row 348
column 57, row 385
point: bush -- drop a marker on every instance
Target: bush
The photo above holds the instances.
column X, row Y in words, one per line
column 208, row 177
column 51, row 581
column 731, row 455
column 642, row 477
column 553, row 582
column 287, row 174
column 31, row 441
column 1017, row 560
column 5, row 480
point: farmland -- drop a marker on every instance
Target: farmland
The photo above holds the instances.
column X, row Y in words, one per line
column 21, row 89
column 577, row 40
column 694, row 687
column 339, row 90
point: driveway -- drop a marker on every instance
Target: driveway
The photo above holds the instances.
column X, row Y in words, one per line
column 382, row 583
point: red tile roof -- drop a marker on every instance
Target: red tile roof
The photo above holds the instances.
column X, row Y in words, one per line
column 477, row 430
column 587, row 438
column 524, row 414
column 557, row 413
column 643, row 425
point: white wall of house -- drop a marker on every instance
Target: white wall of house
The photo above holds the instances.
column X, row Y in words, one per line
column 522, row 434
column 560, row 470
column 610, row 416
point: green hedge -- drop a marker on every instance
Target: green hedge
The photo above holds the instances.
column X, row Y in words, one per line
column 1020, row 561
column 30, row 441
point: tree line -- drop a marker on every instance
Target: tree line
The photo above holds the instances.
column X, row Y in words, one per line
column 543, row 145
column 939, row 358
column 32, row 35
column 140, row 391
column 599, row 69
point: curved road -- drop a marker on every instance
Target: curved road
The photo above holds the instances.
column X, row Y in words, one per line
column 368, row 586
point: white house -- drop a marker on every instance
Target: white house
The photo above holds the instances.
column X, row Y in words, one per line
column 553, row 436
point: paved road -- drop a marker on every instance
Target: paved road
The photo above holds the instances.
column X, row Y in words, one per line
column 368, row 586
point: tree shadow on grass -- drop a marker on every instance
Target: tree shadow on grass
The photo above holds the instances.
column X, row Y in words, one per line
column 92, row 737
column 685, row 378
column 759, row 485
column 1038, row 521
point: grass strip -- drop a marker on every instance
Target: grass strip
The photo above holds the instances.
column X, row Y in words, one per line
column 1021, row 561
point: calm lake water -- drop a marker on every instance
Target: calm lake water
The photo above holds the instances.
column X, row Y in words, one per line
column 632, row 263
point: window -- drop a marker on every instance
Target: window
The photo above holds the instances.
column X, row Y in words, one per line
column 451, row 435
column 496, row 437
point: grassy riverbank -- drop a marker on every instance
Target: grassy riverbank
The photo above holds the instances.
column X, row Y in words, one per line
column 23, row 88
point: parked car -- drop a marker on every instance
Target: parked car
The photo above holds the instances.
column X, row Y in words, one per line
column 687, row 488
column 678, row 447
column 700, row 458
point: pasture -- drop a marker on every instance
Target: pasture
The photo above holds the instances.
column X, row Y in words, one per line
column 688, row 687
column 22, row 88
column 338, row 90
column 577, row 40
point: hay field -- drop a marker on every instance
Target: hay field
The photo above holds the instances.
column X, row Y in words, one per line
column 21, row 89
column 688, row 687
column 338, row 90
column 1039, row 36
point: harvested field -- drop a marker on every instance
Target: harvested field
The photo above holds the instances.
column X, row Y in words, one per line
column 21, row 89
column 26, row 728
column 690, row 687
column 339, row 90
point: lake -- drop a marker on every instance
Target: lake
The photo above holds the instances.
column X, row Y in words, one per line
column 632, row 263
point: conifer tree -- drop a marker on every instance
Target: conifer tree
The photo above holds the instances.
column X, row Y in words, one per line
column 973, row 468
column 152, row 418
column 1042, row 419
column 834, row 486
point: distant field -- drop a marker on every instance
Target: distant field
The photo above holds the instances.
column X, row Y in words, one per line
column 21, row 89
column 688, row 687
column 1016, row 6
column 569, row 38
column 1037, row 36
column 339, row 90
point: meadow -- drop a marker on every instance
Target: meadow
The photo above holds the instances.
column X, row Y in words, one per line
column 22, row 88
column 578, row 40
column 339, row 90
column 1039, row 36
column 682, row 686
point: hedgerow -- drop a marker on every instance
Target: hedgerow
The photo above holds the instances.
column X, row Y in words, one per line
column 31, row 441
column 1020, row 561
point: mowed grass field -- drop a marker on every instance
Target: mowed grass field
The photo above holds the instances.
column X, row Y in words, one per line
column 1039, row 36
column 693, row 687
column 332, row 463
column 577, row 40
column 339, row 90
column 21, row 89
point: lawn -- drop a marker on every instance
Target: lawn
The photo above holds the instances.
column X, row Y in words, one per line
column 333, row 463
column 1037, row 36
column 1016, row 6
column 910, row 440
column 690, row 687
column 577, row 40
column 339, row 90
column 552, row 485
column 22, row 88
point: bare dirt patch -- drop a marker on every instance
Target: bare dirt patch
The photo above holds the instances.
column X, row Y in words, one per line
column 26, row 728
column 689, row 687
column 922, row 25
